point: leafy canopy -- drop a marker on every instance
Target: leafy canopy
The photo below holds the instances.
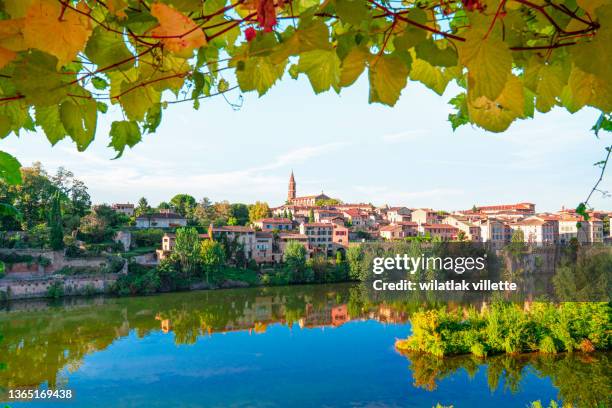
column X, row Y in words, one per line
column 63, row 62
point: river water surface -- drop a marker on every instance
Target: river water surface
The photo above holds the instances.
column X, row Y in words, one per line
column 325, row 345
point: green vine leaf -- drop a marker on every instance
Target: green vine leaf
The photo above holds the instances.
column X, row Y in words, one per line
column 10, row 169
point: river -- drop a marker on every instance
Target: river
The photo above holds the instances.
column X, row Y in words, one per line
column 319, row 345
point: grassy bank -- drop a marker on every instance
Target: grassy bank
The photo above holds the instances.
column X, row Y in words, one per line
column 509, row 328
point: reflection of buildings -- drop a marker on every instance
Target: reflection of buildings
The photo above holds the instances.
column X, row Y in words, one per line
column 264, row 311
column 328, row 315
column 256, row 316
column 387, row 314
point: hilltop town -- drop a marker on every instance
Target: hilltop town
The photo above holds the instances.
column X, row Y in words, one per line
column 326, row 225
column 55, row 242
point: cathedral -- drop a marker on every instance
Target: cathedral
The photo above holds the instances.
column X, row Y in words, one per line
column 292, row 198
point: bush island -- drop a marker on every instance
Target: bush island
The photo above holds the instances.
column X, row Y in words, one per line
column 507, row 328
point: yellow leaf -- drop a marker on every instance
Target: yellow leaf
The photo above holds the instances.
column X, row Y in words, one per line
column 586, row 89
column 489, row 63
column 11, row 36
column 58, row 31
column 117, row 8
column 6, row 56
column 591, row 5
column 177, row 32
column 497, row 115
column 353, row 65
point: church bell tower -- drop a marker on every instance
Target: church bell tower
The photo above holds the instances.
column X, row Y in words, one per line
column 292, row 189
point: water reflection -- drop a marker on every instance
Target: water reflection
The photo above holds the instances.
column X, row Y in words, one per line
column 44, row 344
column 582, row 379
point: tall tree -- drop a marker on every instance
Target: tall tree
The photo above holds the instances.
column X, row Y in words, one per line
column 187, row 248
column 56, row 237
column 240, row 212
column 212, row 256
column 143, row 207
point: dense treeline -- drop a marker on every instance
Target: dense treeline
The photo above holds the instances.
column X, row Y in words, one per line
column 52, row 210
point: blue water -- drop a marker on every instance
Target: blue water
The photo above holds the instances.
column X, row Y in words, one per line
column 351, row 365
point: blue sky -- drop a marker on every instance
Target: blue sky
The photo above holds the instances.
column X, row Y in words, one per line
column 405, row 155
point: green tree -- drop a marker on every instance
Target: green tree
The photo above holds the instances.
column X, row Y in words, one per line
column 183, row 204
column 143, row 208
column 187, row 248
column 327, row 202
column 354, row 257
column 212, row 257
column 94, row 228
column 56, row 238
column 295, row 260
column 32, row 198
column 258, row 211
column 311, row 216
column 240, row 213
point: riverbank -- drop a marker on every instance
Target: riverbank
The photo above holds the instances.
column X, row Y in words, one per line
column 541, row 327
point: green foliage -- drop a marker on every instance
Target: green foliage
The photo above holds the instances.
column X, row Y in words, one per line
column 585, row 276
column 142, row 208
column 187, row 248
column 212, row 256
column 327, row 202
column 56, row 233
column 55, row 290
column 295, row 260
column 2, row 269
column 506, row 328
column 147, row 237
column 240, row 213
column 124, row 133
column 9, row 169
column 258, row 211
column 183, row 204
column 138, row 280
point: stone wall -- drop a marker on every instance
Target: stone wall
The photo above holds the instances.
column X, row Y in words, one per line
column 73, row 285
column 57, row 262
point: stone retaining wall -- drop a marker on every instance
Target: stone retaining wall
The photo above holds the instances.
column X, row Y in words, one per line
column 39, row 287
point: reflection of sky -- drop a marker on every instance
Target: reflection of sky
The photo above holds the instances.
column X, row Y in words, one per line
column 406, row 155
column 352, row 365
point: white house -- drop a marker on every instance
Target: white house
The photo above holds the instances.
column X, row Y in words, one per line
column 163, row 219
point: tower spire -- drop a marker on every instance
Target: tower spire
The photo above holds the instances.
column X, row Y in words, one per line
column 292, row 188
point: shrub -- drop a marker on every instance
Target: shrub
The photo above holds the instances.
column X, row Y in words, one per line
column 89, row 290
column 478, row 350
column 14, row 257
column 547, row 345
column 150, row 237
column 73, row 251
column 114, row 264
column 506, row 328
column 139, row 280
column 55, row 290
column 43, row 261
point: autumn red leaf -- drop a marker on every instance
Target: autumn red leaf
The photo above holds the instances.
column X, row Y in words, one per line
column 266, row 14
column 250, row 33
column 473, row 5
